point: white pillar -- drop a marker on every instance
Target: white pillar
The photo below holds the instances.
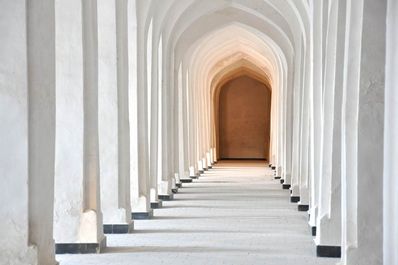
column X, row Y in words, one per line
column 139, row 181
column 390, row 208
column 156, row 75
column 27, row 117
column 305, row 136
column 166, row 169
column 78, row 218
column 317, row 8
column 363, row 104
column 182, row 127
column 294, row 181
column 328, row 237
column 113, row 116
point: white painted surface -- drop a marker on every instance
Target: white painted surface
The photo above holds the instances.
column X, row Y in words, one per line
column 78, row 217
column 27, row 117
column 234, row 214
column 390, row 217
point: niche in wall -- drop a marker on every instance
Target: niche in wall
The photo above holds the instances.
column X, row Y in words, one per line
column 244, row 119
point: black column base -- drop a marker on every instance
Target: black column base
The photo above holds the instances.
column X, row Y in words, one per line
column 270, row 165
column 303, row 207
column 328, row 251
column 282, row 181
column 201, row 171
column 210, row 167
column 313, row 230
column 166, row 197
column 156, row 205
column 141, row 215
column 179, row 185
column 277, row 177
column 118, row 228
column 186, row 180
column 286, row 186
column 80, row 248
column 174, row 191
column 294, row 198
column 273, row 167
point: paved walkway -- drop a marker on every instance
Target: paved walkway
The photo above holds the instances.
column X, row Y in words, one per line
column 234, row 214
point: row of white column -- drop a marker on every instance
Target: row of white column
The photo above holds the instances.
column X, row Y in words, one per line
column 77, row 153
column 338, row 128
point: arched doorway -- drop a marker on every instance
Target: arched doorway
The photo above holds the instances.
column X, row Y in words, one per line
column 244, row 119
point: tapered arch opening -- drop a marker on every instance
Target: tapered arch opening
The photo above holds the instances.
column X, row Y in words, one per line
column 243, row 118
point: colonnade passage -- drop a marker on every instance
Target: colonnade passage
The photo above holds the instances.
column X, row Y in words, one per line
column 235, row 213
column 198, row 132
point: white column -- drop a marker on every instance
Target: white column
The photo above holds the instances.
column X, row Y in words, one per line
column 156, row 75
column 78, row 217
column 363, row 104
column 305, row 140
column 328, row 237
column 294, row 181
column 27, row 117
column 113, row 116
column 165, row 184
column 139, row 181
column 317, row 20
column 390, row 208
column 182, row 126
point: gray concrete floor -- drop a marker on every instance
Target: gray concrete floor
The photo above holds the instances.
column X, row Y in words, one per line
column 234, row 214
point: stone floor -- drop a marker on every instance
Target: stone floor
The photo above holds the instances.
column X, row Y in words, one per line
column 235, row 213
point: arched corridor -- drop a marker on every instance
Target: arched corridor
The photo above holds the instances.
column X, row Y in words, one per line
column 121, row 119
column 235, row 213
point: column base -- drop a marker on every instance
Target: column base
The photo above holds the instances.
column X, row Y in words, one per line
column 328, row 251
column 313, row 230
column 277, row 177
column 156, row 204
column 273, row 167
column 186, row 180
column 282, row 181
column 270, row 165
column 286, row 186
column 166, row 197
column 80, row 248
column 210, row 167
column 141, row 215
column 294, row 198
column 174, row 190
column 179, row 185
column 303, row 207
column 194, row 177
column 118, row 228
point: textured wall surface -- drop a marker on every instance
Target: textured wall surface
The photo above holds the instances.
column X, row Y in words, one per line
column 245, row 105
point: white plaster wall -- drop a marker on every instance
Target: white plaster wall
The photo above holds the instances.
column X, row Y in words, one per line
column 27, row 115
column 363, row 135
column 69, row 125
column 78, row 217
column 140, row 181
column 113, row 112
column 329, row 214
column 390, row 197
column 108, row 111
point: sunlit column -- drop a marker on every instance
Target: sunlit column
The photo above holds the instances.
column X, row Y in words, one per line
column 113, row 116
column 27, row 132
column 78, row 218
